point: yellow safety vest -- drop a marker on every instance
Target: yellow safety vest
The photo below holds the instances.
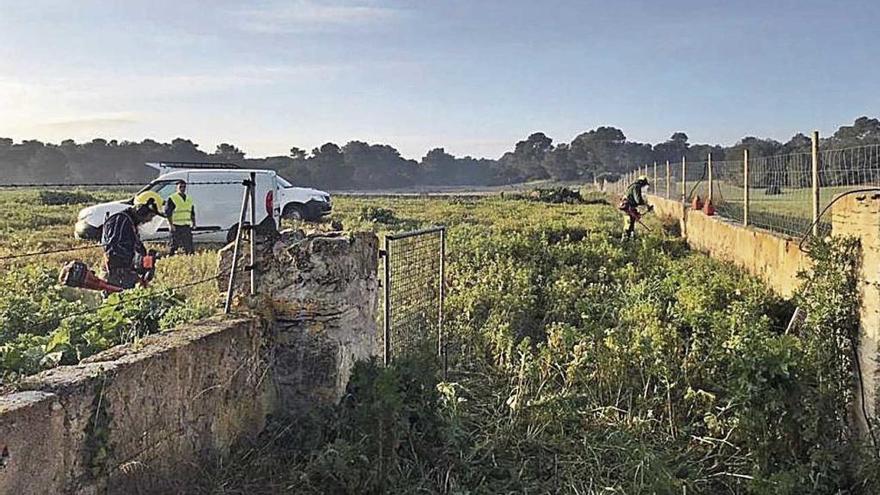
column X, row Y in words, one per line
column 183, row 208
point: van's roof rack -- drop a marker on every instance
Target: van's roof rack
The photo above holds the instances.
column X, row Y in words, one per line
column 195, row 165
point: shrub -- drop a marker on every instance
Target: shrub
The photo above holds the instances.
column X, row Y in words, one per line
column 55, row 198
column 43, row 325
column 377, row 214
column 557, row 195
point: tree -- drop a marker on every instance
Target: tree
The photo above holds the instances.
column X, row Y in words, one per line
column 673, row 149
column 601, row 149
column 229, row 153
column 297, row 153
column 327, row 165
column 604, row 149
column 863, row 131
column 526, row 160
column 181, row 149
column 559, row 165
column 439, row 167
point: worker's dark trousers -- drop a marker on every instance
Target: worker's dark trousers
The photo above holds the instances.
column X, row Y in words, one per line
column 182, row 238
column 120, row 273
column 632, row 217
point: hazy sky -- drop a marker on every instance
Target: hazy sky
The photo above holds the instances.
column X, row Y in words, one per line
column 468, row 75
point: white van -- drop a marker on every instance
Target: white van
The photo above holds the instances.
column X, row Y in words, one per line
column 217, row 191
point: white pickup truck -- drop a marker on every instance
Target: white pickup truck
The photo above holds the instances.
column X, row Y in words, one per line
column 217, row 192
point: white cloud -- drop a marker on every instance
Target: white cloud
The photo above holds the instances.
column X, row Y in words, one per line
column 92, row 123
column 308, row 15
column 99, row 86
column 94, row 102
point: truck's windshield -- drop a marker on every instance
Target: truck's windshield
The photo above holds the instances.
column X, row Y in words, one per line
column 284, row 181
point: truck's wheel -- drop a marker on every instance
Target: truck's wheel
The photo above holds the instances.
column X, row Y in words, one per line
column 293, row 212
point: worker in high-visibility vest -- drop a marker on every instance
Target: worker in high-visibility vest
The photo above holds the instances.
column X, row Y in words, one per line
column 181, row 215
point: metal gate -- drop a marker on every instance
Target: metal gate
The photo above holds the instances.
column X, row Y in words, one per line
column 413, row 289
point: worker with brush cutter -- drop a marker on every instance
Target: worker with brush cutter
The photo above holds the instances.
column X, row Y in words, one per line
column 126, row 260
column 630, row 203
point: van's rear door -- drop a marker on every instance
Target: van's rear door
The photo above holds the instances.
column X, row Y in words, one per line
column 266, row 191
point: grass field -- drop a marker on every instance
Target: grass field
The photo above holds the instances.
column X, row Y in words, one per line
column 582, row 364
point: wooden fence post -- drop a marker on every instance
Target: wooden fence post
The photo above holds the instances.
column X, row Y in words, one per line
column 711, row 184
column 668, row 180
column 816, row 190
column 654, row 183
column 745, row 187
column 683, row 181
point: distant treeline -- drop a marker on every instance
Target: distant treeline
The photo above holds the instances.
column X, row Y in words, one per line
column 600, row 153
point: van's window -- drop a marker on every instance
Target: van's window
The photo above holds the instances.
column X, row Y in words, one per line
column 164, row 188
column 283, row 181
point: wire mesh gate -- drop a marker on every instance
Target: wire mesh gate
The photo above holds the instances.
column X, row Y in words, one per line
column 413, row 290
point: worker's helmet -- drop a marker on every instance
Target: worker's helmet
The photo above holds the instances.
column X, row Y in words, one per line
column 643, row 178
column 148, row 202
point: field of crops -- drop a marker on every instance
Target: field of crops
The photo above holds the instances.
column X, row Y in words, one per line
column 581, row 364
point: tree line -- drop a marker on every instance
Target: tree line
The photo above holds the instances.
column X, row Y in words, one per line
column 604, row 152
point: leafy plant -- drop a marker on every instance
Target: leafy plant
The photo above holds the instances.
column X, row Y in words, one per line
column 54, row 198
column 585, row 364
column 378, row 215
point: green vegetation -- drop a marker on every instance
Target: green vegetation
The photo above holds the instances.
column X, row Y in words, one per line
column 557, row 195
column 43, row 324
column 65, row 197
column 585, row 365
column 579, row 363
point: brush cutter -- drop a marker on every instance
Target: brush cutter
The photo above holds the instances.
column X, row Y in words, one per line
column 650, row 209
column 78, row 275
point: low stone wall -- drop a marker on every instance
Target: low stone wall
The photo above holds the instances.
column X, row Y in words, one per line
column 143, row 418
column 773, row 258
column 778, row 260
column 858, row 215
column 323, row 294
column 133, row 417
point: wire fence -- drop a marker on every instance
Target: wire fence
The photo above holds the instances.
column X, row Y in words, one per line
column 727, row 189
column 413, row 293
column 842, row 169
column 780, row 195
column 780, row 187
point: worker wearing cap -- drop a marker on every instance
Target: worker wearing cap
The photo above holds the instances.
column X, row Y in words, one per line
column 181, row 214
column 122, row 242
column 631, row 201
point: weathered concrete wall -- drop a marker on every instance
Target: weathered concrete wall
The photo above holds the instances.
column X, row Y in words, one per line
column 134, row 416
column 777, row 260
column 131, row 419
column 774, row 259
column 859, row 216
column 323, row 293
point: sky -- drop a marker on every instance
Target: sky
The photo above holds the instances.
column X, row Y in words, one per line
column 470, row 76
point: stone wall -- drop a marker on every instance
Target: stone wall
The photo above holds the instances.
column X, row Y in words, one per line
column 771, row 257
column 130, row 417
column 141, row 418
column 322, row 291
column 777, row 260
column 858, row 215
